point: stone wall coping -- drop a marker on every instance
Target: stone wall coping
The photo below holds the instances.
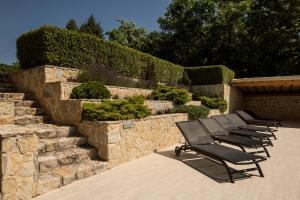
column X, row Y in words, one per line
column 137, row 120
column 47, row 66
column 14, row 130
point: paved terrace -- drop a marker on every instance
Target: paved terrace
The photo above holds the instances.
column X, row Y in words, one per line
column 162, row 176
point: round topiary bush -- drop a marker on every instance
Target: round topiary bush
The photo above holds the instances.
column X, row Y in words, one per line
column 90, row 90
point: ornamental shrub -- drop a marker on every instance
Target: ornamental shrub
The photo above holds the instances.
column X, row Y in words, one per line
column 212, row 102
column 170, row 93
column 120, row 109
column 205, row 75
column 61, row 47
column 90, row 90
column 194, row 112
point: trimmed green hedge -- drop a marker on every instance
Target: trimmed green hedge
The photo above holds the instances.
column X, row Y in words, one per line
column 61, row 47
column 205, row 75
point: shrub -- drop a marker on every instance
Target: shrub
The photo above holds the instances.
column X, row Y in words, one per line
column 61, row 47
column 194, row 112
column 7, row 69
column 121, row 109
column 178, row 96
column 90, row 90
column 209, row 74
column 213, row 102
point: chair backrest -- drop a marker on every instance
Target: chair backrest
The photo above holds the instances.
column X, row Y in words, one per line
column 235, row 119
column 213, row 127
column 194, row 133
column 244, row 115
column 224, row 122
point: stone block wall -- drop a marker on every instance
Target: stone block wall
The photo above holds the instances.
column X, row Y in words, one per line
column 274, row 106
column 18, row 164
column 122, row 141
column 6, row 111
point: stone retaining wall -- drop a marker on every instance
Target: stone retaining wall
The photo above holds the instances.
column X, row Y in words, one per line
column 122, row 141
column 274, row 106
column 50, row 87
column 18, row 164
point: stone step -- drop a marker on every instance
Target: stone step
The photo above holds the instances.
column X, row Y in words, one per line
column 14, row 96
column 7, row 87
column 67, row 174
column 60, row 144
column 30, row 119
column 24, row 103
column 53, row 131
column 21, row 111
column 5, row 78
column 52, row 160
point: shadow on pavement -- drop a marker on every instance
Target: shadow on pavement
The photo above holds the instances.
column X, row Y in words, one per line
column 210, row 168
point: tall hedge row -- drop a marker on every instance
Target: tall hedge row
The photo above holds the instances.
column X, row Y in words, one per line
column 60, row 47
column 203, row 75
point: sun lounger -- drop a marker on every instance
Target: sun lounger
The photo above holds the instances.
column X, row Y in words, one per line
column 222, row 135
column 199, row 141
column 250, row 120
column 236, row 122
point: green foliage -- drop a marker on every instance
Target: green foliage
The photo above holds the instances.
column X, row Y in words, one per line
column 121, row 109
column 7, row 69
column 169, row 93
column 90, row 90
column 129, row 34
column 211, row 102
column 60, row 47
column 71, row 25
column 194, row 112
column 254, row 38
column 91, row 27
column 202, row 75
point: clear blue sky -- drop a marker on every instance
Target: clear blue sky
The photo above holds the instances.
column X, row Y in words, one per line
column 19, row 16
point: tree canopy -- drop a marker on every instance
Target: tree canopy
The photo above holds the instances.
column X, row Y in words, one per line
column 92, row 27
column 71, row 25
column 253, row 37
column 129, row 34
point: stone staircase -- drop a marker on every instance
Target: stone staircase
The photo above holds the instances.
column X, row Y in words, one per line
column 63, row 154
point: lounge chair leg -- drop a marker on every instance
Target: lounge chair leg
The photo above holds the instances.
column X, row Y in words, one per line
column 266, row 150
column 274, row 135
column 259, row 169
column 228, row 171
column 242, row 148
column 271, row 143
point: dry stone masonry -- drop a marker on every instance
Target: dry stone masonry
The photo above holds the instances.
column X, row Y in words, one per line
column 36, row 155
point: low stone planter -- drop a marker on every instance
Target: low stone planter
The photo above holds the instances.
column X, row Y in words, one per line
column 122, row 141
